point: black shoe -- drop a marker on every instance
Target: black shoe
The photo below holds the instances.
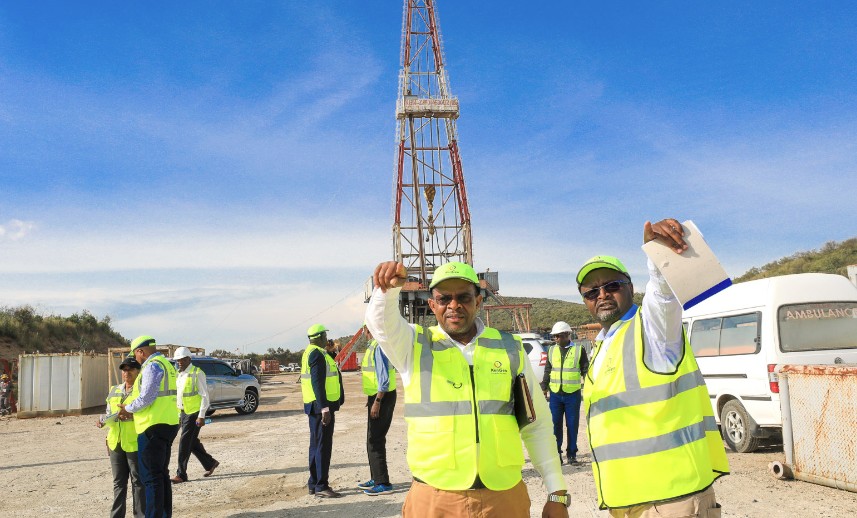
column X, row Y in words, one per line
column 328, row 493
column 209, row 472
column 311, row 491
column 572, row 461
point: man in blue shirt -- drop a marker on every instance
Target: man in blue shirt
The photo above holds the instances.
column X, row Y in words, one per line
column 379, row 385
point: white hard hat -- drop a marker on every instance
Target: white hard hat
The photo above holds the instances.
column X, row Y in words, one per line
column 184, row 352
column 560, row 327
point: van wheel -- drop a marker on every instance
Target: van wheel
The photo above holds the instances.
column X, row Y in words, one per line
column 735, row 424
column 251, row 403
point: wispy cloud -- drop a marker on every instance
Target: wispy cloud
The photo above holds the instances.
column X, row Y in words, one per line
column 16, row 229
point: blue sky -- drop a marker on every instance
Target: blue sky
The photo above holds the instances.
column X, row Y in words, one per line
column 221, row 174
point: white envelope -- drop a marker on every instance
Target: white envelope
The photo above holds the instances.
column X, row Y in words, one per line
column 695, row 274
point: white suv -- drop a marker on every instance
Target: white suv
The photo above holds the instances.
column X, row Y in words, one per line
column 536, row 348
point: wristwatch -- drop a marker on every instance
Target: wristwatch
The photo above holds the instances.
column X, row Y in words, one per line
column 562, row 499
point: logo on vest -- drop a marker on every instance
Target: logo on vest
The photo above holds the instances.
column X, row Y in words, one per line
column 498, row 368
column 454, row 384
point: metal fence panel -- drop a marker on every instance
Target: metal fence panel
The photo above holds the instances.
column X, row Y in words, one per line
column 821, row 401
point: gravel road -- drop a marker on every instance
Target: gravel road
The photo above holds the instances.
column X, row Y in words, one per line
column 58, row 467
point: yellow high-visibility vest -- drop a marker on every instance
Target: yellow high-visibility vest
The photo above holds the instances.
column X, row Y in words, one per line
column 564, row 374
column 332, row 388
column 191, row 398
column 121, row 432
column 461, row 425
column 653, row 436
column 163, row 410
column 367, row 367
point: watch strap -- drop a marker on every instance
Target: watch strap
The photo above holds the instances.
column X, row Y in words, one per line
column 561, row 499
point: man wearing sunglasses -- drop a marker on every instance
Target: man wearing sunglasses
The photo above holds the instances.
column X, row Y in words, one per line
column 656, row 449
column 464, row 443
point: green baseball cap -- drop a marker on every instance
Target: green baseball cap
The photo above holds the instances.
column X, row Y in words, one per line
column 601, row 261
column 316, row 330
column 142, row 341
column 454, row 270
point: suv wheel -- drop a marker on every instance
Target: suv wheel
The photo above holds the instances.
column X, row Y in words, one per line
column 251, row 403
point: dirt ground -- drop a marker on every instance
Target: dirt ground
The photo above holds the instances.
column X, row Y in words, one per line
column 58, row 467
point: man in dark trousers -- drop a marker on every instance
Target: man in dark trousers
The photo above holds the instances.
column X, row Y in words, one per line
column 379, row 385
column 156, row 421
column 193, row 402
column 567, row 364
column 321, row 386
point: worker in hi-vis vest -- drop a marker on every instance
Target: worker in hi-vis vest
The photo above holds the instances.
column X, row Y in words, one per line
column 565, row 366
column 464, row 441
column 193, row 402
column 321, row 386
column 656, row 449
column 122, row 444
column 156, row 421
column 379, row 385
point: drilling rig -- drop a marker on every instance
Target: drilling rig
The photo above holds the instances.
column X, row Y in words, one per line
column 431, row 216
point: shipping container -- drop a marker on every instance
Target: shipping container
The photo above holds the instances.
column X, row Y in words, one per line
column 61, row 384
column 270, row 366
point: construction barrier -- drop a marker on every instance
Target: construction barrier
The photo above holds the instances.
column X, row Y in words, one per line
column 819, row 424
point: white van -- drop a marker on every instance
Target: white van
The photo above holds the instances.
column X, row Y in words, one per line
column 742, row 334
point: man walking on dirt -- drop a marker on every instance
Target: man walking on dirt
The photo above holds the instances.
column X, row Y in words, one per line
column 321, row 387
column 464, row 443
column 156, row 421
column 192, row 401
column 379, row 385
column 656, row 450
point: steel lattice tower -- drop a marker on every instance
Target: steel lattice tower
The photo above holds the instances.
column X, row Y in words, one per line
column 431, row 217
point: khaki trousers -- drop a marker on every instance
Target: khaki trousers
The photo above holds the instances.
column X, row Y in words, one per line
column 697, row 505
column 424, row 501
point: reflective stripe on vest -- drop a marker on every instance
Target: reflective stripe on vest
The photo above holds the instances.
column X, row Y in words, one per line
column 121, row 432
column 163, row 409
column 191, row 399
column 332, row 388
column 653, row 436
column 564, row 374
column 458, row 428
column 370, row 378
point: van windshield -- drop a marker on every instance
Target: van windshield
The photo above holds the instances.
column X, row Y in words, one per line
column 818, row 326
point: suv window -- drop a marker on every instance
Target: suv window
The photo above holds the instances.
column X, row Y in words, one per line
column 528, row 347
column 221, row 369
column 206, row 367
column 215, row 369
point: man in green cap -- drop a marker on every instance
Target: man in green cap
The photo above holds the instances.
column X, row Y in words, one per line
column 464, row 443
column 156, row 421
column 656, row 449
column 321, row 386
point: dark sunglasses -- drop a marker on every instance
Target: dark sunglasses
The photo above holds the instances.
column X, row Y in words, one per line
column 610, row 287
column 461, row 298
